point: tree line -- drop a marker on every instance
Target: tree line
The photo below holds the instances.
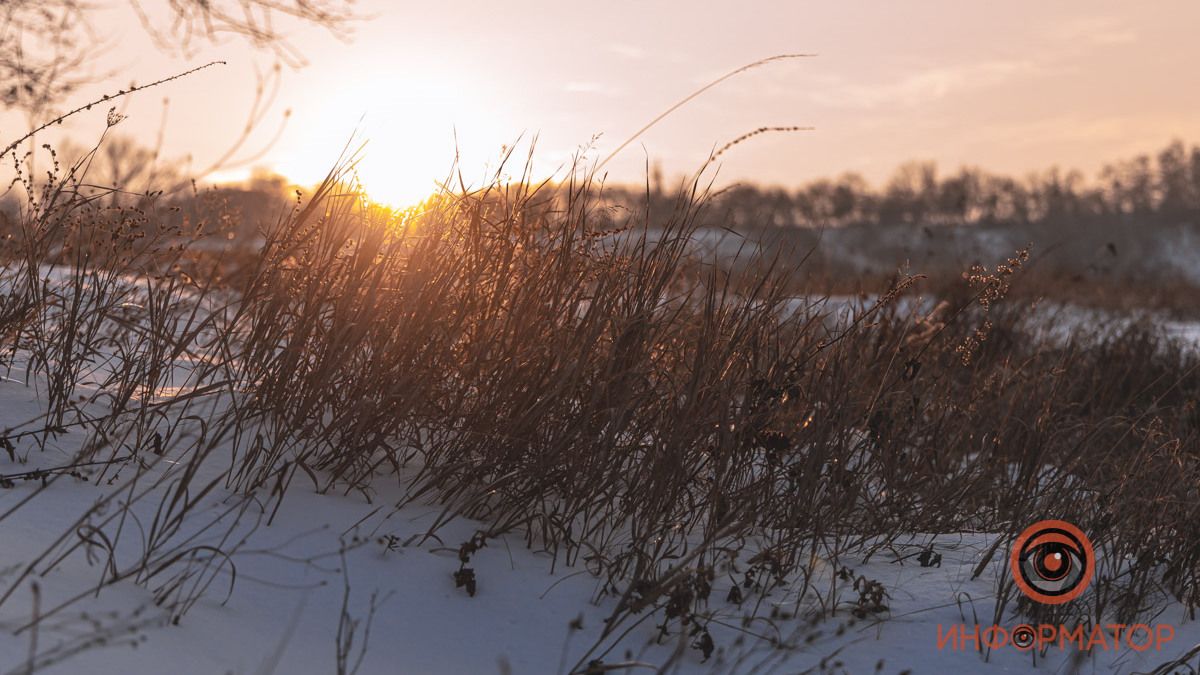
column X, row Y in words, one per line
column 1162, row 186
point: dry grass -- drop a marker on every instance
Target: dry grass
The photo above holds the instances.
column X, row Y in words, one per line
column 621, row 402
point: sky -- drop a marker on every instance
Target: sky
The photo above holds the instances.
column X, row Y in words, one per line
column 1010, row 87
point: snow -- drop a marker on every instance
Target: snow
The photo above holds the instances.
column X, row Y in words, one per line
column 275, row 603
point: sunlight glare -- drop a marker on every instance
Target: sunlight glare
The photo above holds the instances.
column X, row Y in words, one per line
column 410, row 127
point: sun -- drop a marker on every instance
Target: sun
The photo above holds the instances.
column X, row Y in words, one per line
column 412, row 127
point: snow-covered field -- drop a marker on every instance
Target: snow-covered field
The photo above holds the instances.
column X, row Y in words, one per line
column 276, row 602
column 99, row 573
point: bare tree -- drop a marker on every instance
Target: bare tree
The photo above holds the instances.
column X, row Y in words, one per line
column 41, row 54
column 257, row 21
column 46, row 46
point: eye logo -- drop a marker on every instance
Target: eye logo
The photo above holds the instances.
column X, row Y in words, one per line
column 1023, row 636
column 1052, row 562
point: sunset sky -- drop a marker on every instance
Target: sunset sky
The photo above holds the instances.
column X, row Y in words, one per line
column 1009, row 86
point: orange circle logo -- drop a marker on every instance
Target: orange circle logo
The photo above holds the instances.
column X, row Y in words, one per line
column 1052, row 562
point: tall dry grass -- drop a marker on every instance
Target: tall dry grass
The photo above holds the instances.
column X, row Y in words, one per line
column 621, row 401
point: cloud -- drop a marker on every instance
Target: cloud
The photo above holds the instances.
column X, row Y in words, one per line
column 1094, row 30
column 1133, row 130
column 626, row 50
column 590, row 88
column 921, row 87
